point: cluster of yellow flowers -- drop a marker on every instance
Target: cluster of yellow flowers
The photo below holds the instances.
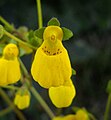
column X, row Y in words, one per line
column 51, row 68
column 10, row 73
column 80, row 115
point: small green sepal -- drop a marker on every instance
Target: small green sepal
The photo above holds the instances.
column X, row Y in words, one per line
column 73, row 72
column 54, row 21
column 39, row 32
column 66, row 33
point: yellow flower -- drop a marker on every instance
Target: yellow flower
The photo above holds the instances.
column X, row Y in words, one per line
column 9, row 65
column 51, row 66
column 22, row 99
column 82, row 115
column 62, row 96
column 67, row 117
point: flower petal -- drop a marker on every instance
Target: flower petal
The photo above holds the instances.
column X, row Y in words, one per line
column 62, row 96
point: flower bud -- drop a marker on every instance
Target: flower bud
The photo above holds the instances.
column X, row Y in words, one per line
column 22, row 99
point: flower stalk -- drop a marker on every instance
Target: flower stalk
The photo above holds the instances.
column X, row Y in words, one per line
column 5, row 111
column 39, row 10
column 18, row 40
column 10, row 87
column 6, row 23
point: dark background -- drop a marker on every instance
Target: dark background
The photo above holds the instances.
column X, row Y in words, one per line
column 89, row 49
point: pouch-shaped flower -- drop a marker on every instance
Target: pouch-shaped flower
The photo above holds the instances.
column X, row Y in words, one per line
column 9, row 65
column 51, row 66
column 22, row 99
column 62, row 96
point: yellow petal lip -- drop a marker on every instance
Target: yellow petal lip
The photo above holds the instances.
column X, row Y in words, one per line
column 62, row 96
column 53, row 33
column 10, row 51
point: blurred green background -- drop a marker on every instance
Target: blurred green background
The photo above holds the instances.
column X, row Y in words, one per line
column 89, row 49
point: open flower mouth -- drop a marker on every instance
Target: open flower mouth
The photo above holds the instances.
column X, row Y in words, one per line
column 51, row 52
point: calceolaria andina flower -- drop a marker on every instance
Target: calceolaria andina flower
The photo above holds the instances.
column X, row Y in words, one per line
column 22, row 99
column 9, row 65
column 80, row 115
column 51, row 67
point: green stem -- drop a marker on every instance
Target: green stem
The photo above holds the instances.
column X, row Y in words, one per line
column 23, row 68
column 5, row 111
column 36, row 94
column 10, row 103
column 42, row 102
column 10, row 87
column 108, row 106
column 18, row 40
column 6, row 23
column 39, row 13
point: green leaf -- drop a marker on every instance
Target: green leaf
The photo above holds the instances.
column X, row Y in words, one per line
column 73, row 72
column 54, row 21
column 1, row 31
column 67, row 33
column 39, row 32
column 33, row 39
column 108, row 89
